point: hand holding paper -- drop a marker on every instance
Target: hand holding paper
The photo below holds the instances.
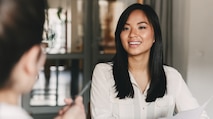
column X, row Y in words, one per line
column 191, row 114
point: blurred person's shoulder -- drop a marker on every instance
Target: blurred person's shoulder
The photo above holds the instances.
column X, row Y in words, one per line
column 12, row 112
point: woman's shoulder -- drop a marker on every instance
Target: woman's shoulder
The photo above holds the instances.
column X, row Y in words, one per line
column 170, row 70
column 103, row 70
column 173, row 77
column 103, row 73
column 172, row 74
column 104, row 66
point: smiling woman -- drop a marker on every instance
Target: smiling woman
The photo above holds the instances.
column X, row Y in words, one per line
column 137, row 34
column 136, row 84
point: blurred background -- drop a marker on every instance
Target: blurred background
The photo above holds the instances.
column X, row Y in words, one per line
column 80, row 33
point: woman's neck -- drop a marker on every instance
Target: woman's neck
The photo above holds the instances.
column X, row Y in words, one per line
column 138, row 63
column 9, row 97
column 139, row 68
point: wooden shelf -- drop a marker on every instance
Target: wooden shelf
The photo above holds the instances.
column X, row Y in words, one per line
column 66, row 56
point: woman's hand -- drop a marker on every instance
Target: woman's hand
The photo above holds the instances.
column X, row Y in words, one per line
column 73, row 109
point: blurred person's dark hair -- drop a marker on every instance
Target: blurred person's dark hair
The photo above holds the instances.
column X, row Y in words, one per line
column 21, row 27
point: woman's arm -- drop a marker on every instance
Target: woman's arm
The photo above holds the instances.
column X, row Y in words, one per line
column 185, row 100
column 100, row 105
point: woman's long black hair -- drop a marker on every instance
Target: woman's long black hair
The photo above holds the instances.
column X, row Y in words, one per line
column 123, row 84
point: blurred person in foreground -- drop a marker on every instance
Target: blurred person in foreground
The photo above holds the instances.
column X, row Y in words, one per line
column 21, row 57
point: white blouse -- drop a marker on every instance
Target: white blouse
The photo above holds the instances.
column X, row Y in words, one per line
column 8, row 111
column 105, row 105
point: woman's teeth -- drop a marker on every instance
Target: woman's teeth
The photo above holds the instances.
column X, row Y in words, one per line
column 135, row 43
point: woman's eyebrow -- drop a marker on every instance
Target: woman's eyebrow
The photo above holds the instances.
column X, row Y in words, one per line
column 142, row 22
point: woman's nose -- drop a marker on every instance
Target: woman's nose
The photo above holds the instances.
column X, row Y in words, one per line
column 133, row 33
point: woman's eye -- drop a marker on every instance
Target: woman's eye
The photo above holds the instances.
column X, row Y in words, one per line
column 125, row 28
column 142, row 27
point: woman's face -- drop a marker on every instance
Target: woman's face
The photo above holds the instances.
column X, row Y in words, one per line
column 137, row 35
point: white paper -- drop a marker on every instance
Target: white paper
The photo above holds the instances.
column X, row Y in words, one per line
column 191, row 114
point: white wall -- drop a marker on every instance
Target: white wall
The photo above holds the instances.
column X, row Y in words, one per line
column 193, row 46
